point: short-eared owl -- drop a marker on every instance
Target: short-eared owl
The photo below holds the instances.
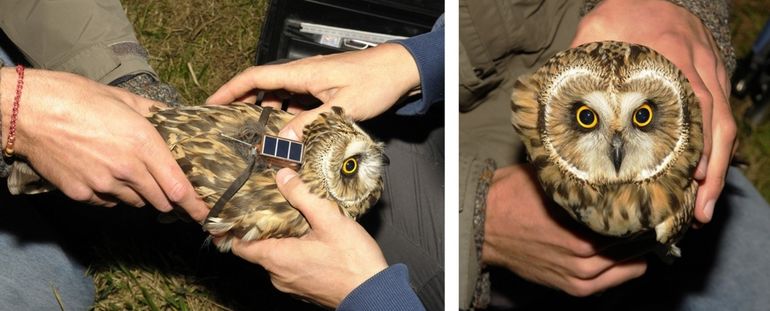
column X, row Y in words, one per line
column 214, row 145
column 615, row 133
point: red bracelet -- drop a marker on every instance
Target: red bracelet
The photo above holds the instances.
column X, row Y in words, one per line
column 8, row 151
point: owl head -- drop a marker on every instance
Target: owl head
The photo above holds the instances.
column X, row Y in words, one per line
column 607, row 113
column 343, row 163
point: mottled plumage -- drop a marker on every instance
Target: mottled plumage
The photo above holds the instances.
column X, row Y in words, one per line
column 615, row 133
column 211, row 145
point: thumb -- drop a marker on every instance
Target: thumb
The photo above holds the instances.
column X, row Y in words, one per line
column 318, row 212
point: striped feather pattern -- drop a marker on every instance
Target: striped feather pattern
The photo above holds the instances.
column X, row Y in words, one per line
column 654, row 188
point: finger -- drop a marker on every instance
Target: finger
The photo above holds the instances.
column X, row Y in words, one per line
column 172, row 181
column 709, row 191
column 295, row 109
column 267, row 77
column 350, row 102
column 723, row 136
column 249, row 98
column 614, row 276
column 294, row 128
column 721, row 74
column 102, row 199
column 87, row 192
column 588, row 268
column 272, row 101
column 706, row 104
column 318, row 212
column 148, row 187
column 129, row 196
column 253, row 251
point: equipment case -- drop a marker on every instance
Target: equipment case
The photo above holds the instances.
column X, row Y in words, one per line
column 300, row 28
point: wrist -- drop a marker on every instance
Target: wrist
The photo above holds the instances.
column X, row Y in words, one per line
column 494, row 208
column 7, row 89
column 13, row 84
column 406, row 75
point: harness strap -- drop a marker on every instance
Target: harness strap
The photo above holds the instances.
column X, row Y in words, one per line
column 241, row 180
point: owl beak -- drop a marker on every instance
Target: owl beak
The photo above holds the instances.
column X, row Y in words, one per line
column 385, row 159
column 617, row 152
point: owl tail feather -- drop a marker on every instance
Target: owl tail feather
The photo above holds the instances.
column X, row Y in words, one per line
column 23, row 179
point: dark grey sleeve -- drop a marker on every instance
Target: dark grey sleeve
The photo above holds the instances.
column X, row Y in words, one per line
column 715, row 16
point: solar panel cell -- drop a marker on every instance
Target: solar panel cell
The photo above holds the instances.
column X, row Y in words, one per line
column 283, row 149
column 268, row 147
column 295, row 153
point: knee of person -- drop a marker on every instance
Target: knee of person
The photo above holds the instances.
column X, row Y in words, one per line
column 48, row 294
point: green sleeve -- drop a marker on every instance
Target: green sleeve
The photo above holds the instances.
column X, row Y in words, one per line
column 475, row 178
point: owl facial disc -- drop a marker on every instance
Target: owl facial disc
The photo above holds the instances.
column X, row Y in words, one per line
column 615, row 132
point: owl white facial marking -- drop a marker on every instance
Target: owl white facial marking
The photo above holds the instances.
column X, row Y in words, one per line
column 615, row 112
column 557, row 82
column 359, row 184
column 672, row 84
column 614, row 132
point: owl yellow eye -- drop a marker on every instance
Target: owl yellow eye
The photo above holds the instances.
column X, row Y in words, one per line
column 350, row 166
column 586, row 117
column 643, row 115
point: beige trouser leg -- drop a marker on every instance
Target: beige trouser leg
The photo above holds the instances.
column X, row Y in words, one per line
column 92, row 38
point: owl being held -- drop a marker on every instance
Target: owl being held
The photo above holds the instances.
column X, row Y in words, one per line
column 214, row 145
column 615, row 133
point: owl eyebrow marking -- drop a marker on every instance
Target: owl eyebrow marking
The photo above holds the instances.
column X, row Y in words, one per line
column 555, row 84
column 683, row 140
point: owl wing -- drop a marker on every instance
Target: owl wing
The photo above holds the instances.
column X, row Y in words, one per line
column 526, row 114
column 211, row 145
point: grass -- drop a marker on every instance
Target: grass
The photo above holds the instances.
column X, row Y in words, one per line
column 748, row 18
column 140, row 264
column 137, row 262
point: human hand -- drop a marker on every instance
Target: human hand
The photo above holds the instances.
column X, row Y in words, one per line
column 681, row 37
column 522, row 235
column 90, row 141
column 327, row 263
column 365, row 83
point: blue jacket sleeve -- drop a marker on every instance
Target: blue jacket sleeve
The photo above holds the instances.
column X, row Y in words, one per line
column 428, row 52
column 388, row 290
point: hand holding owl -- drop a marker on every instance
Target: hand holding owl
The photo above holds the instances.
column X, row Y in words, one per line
column 522, row 235
column 681, row 37
column 615, row 133
column 326, row 264
column 365, row 83
column 66, row 132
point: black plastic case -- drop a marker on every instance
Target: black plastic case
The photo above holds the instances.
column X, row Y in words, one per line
column 340, row 23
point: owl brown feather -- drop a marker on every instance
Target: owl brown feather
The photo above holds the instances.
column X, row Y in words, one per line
column 212, row 146
column 616, row 177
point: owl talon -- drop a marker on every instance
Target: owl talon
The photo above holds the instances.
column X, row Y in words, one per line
column 673, row 250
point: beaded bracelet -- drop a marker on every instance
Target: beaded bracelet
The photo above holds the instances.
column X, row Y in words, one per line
column 8, row 151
